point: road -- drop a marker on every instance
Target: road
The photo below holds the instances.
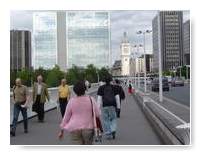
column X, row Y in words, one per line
column 179, row 94
column 133, row 129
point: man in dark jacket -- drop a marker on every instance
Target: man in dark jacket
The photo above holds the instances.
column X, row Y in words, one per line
column 109, row 98
column 121, row 96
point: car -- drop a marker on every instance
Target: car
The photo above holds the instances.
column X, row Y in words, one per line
column 149, row 81
column 169, row 78
column 155, row 84
column 177, row 81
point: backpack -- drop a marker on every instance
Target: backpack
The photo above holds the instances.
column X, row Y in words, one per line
column 130, row 86
column 109, row 96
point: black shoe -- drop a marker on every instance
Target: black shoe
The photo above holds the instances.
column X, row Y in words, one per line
column 41, row 121
column 113, row 134
column 12, row 133
column 26, row 131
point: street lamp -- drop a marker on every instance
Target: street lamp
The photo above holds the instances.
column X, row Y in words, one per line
column 97, row 76
column 144, row 32
column 159, row 59
column 137, row 53
column 180, row 70
column 187, row 66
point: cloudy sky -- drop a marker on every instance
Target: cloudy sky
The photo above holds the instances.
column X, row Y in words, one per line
column 130, row 21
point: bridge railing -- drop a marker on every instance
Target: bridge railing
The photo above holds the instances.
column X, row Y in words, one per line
column 53, row 92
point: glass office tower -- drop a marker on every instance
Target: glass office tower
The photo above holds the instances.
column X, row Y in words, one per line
column 45, row 39
column 88, row 38
column 69, row 38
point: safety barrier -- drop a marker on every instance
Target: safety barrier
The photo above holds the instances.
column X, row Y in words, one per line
column 53, row 92
column 171, row 128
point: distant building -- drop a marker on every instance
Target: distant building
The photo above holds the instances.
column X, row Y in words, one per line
column 186, row 42
column 137, row 64
column 71, row 38
column 117, row 68
column 171, row 28
column 125, row 48
column 20, row 49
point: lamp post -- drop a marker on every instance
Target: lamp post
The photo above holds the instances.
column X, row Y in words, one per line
column 144, row 32
column 159, row 59
column 97, row 76
column 179, row 70
column 138, row 56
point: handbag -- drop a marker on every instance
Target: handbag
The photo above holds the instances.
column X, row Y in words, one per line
column 98, row 129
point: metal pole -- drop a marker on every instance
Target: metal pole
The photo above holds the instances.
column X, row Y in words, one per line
column 135, row 72
column 160, row 62
column 145, row 84
column 180, row 71
column 138, row 68
column 187, row 73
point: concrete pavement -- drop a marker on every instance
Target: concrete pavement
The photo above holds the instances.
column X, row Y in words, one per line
column 133, row 129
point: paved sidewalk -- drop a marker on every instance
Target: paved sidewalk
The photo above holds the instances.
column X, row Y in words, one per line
column 133, row 129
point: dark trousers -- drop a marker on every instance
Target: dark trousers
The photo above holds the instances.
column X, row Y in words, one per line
column 17, row 108
column 39, row 108
column 63, row 104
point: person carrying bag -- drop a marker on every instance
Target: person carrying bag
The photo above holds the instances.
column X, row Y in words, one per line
column 98, row 129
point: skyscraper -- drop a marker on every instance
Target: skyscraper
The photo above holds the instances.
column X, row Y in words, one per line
column 44, row 39
column 20, row 49
column 71, row 38
column 171, row 28
column 186, row 42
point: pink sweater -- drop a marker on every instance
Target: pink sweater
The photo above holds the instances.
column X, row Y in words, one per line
column 78, row 114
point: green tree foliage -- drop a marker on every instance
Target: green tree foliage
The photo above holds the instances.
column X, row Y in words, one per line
column 12, row 78
column 91, row 73
column 25, row 76
column 183, row 72
column 41, row 71
column 54, row 77
column 74, row 74
column 167, row 72
column 103, row 73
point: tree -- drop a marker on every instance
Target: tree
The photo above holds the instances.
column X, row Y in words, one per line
column 54, row 77
column 25, row 76
column 12, row 78
column 40, row 71
column 74, row 74
column 91, row 73
column 103, row 73
column 167, row 72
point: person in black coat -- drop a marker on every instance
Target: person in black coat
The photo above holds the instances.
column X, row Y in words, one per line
column 121, row 95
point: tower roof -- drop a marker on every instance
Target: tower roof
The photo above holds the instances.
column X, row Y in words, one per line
column 125, row 38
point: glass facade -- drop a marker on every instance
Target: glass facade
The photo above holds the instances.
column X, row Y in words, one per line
column 45, row 39
column 88, row 38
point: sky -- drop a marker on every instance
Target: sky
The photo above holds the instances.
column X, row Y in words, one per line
column 129, row 21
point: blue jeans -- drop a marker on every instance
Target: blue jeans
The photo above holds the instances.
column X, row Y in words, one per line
column 109, row 119
column 17, row 108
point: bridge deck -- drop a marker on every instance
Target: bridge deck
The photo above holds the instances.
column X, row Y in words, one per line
column 133, row 129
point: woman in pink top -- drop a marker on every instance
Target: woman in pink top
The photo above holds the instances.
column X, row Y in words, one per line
column 78, row 117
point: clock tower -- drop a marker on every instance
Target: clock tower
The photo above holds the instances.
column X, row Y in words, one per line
column 125, row 48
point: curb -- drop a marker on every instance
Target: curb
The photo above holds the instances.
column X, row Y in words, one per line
column 166, row 128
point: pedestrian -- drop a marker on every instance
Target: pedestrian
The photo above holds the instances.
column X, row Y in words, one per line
column 108, row 98
column 40, row 93
column 130, row 88
column 78, row 119
column 121, row 96
column 63, row 96
column 21, row 98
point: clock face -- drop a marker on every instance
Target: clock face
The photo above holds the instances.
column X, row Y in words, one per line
column 126, row 51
